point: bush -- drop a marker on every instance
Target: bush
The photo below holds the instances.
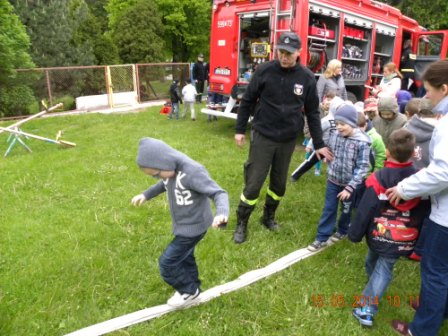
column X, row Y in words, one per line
column 16, row 100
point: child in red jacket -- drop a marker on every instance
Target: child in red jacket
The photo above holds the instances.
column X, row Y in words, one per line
column 391, row 230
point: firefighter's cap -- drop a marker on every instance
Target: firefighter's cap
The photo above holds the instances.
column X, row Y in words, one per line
column 289, row 41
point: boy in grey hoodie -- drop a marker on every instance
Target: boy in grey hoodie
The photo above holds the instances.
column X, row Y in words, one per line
column 189, row 188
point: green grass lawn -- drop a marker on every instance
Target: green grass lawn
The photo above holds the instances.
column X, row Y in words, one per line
column 74, row 252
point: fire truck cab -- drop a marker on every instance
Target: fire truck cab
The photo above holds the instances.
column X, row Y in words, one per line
column 363, row 34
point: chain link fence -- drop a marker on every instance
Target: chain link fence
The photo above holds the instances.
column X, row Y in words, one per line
column 95, row 87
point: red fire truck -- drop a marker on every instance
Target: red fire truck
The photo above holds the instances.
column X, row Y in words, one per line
column 363, row 34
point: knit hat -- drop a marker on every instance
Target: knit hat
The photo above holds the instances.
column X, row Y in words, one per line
column 403, row 96
column 359, row 106
column 370, row 104
column 347, row 114
column 388, row 104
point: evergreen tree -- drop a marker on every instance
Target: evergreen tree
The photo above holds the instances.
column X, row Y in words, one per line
column 52, row 26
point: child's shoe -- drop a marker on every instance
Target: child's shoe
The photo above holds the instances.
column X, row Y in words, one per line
column 364, row 316
column 181, row 300
column 317, row 172
column 337, row 237
column 316, row 246
column 401, row 328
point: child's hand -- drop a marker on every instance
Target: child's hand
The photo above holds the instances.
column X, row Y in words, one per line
column 138, row 200
column 308, row 149
column 344, row 195
column 219, row 221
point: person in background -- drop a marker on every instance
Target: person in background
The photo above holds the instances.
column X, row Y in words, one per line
column 390, row 83
column 189, row 96
column 371, row 108
column 433, row 181
column 189, row 189
column 377, row 154
column 327, row 124
column 351, row 149
column 332, row 81
column 278, row 112
column 388, row 119
column 199, row 76
column 403, row 97
column 175, row 99
column 422, row 126
column 412, row 108
column 373, row 220
column 407, row 64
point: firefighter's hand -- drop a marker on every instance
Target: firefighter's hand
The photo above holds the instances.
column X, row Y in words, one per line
column 324, row 152
column 393, row 195
column 240, row 139
column 220, row 221
column 138, row 200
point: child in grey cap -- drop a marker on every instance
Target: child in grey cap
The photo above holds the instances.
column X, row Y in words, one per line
column 189, row 188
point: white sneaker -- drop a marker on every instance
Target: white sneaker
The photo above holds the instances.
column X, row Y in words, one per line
column 180, row 300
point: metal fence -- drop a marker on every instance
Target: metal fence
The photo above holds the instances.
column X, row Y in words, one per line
column 96, row 87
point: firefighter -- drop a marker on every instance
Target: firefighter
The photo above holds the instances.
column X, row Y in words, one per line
column 199, row 76
column 279, row 94
column 407, row 63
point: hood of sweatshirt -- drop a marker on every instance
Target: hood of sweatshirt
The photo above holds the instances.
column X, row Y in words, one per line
column 154, row 153
column 360, row 136
column 420, row 128
column 335, row 103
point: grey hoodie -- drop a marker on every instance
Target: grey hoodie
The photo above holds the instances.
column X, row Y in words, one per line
column 423, row 133
column 188, row 191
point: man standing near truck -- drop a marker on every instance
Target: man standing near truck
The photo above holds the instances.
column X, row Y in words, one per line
column 279, row 94
column 199, row 76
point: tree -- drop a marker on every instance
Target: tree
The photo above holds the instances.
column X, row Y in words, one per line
column 15, row 96
column 430, row 14
column 51, row 25
column 187, row 27
column 137, row 31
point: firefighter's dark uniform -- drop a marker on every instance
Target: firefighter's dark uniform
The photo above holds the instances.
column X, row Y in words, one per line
column 407, row 67
column 277, row 98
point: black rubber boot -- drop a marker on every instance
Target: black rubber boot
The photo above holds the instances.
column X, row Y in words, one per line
column 242, row 217
column 268, row 219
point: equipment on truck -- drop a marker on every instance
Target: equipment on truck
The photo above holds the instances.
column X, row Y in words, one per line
column 363, row 34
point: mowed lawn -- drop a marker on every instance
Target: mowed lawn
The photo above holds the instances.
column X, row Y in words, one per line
column 74, row 252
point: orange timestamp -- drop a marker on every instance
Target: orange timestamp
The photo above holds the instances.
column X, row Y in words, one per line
column 342, row 301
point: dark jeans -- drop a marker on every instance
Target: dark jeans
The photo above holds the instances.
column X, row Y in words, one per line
column 328, row 218
column 433, row 308
column 178, row 266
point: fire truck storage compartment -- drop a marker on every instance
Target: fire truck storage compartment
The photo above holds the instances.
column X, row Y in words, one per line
column 323, row 32
column 383, row 51
column 254, row 44
column 357, row 35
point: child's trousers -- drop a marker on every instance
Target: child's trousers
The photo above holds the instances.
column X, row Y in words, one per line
column 380, row 271
column 178, row 266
